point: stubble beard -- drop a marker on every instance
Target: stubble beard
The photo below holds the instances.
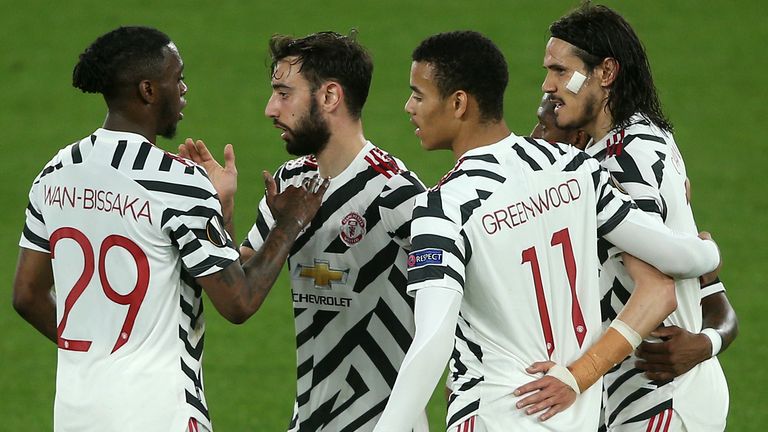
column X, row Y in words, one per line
column 591, row 107
column 311, row 134
column 170, row 115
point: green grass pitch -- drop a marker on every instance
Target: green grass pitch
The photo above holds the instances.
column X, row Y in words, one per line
column 709, row 65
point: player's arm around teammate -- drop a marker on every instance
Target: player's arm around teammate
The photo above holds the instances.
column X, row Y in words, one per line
column 651, row 302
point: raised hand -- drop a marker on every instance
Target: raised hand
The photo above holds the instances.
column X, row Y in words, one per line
column 551, row 394
column 224, row 178
column 295, row 205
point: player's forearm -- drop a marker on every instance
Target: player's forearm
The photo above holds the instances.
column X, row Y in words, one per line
column 32, row 296
column 228, row 215
column 40, row 312
column 681, row 256
column 652, row 299
column 718, row 314
column 263, row 268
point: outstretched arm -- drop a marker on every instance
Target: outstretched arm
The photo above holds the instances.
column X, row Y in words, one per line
column 677, row 255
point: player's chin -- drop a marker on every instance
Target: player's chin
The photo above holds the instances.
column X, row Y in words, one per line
column 169, row 132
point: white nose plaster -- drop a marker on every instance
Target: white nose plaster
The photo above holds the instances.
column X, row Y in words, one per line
column 576, row 82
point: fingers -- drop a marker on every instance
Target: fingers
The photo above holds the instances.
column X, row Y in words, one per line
column 269, row 185
column 552, row 411
column 229, row 158
column 316, row 185
column 324, row 184
column 183, row 151
column 541, row 395
column 660, row 376
column 542, row 367
column 705, row 235
column 661, row 358
column 527, row 388
column 553, row 398
column 202, row 150
column 666, row 332
column 656, row 371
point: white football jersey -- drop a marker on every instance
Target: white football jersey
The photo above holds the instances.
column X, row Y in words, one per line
column 647, row 163
column 514, row 229
column 354, row 319
column 128, row 227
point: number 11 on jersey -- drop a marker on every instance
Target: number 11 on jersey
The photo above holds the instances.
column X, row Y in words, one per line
column 563, row 239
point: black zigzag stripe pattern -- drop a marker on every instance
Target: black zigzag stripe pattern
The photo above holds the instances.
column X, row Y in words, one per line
column 358, row 338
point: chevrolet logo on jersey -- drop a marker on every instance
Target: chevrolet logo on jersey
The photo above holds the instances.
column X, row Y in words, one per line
column 322, row 274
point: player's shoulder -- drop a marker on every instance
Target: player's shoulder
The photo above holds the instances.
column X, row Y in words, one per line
column 382, row 163
column 475, row 176
column 66, row 156
column 535, row 154
column 640, row 137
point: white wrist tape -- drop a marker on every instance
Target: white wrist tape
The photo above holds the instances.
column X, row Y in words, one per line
column 576, row 81
column 563, row 374
column 628, row 332
column 715, row 338
column 712, row 289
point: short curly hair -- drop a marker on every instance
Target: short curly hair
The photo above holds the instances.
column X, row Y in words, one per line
column 469, row 61
column 121, row 57
column 329, row 56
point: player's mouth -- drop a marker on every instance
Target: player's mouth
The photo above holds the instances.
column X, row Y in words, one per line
column 286, row 130
column 181, row 108
column 558, row 103
column 417, row 131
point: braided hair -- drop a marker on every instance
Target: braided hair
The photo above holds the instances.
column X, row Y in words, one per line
column 119, row 58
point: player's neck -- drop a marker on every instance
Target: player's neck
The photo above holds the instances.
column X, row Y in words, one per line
column 117, row 121
column 601, row 125
column 479, row 135
column 341, row 150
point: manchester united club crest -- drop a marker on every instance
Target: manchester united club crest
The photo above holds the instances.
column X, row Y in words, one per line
column 352, row 229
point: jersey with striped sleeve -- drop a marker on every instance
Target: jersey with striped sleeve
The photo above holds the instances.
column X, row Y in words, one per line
column 354, row 320
column 128, row 227
column 513, row 228
column 646, row 162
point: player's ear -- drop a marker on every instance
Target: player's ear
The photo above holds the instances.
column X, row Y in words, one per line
column 459, row 103
column 331, row 95
column 610, row 71
column 147, row 92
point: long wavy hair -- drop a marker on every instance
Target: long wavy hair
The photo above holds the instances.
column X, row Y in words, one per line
column 598, row 33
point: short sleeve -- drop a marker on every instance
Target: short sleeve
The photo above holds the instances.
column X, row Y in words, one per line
column 35, row 235
column 438, row 255
column 195, row 225
column 396, row 203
